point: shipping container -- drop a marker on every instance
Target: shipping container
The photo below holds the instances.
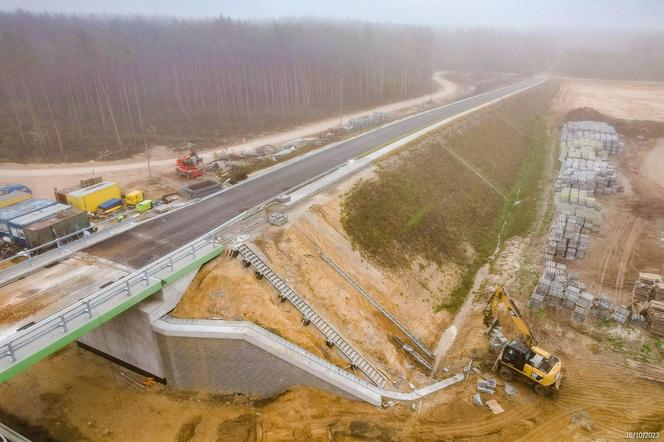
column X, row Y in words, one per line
column 61, row 224
column 23, row 208
column 9, row 199
column 9, row 188
column 61, row 194
column 90, row 198
column 17, row 225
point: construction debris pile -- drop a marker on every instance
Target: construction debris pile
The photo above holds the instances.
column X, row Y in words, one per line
column 648, row 301
column 364, row 121
column 586, row 171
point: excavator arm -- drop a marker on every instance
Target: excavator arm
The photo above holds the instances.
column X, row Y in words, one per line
column 500, row 296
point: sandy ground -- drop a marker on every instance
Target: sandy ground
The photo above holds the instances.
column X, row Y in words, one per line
column 75, row 395
column 629, row 241
column 132, row 173
column 620, row 99
column 223, row 289
column 653, row 165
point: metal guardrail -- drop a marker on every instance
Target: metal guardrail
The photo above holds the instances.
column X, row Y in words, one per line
column 48, row 331
column 310, row 315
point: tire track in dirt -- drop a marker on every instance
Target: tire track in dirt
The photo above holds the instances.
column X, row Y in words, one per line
column 613, row 236
column 637, row 228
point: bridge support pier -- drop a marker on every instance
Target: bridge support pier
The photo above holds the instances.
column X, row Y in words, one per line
column 129, row 336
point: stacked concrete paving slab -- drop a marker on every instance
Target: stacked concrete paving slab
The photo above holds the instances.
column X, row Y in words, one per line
column 586, row 147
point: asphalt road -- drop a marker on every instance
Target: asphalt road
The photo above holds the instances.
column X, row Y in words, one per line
column 150, row 241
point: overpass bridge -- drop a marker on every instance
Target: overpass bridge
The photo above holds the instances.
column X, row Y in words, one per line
column 163, row 250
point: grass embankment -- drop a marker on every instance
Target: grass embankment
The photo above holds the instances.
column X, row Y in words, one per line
column 425, row 202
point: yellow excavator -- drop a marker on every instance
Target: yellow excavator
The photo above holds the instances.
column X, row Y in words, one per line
column 523, row 360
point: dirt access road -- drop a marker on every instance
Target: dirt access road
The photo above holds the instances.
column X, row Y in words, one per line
column 129, row 173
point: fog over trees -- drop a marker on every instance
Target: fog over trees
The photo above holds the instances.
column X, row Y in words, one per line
column 70, row 86
column 80, row 87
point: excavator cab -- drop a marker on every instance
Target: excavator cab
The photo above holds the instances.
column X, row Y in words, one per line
column 534, row 365
column 522, row 360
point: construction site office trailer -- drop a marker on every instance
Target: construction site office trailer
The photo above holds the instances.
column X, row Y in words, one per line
column 89, row 198
column 61, row 224
column 9, row 199
column 17, row 225
column 23, row 208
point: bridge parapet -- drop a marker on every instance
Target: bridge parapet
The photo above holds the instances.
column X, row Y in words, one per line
column 24, row 348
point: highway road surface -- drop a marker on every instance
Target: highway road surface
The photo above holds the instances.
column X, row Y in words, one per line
column 150, row 241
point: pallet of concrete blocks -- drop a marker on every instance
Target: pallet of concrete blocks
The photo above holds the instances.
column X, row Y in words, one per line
column 579, row 314
column 560, row 272
column 549, row 271
column 583, row 306
column 584, row 243
column 554, row 298
column 573, row 278
column 555, row 295
column 620, row 315
column 550, row 249
column 536, row 301
column 602, row 308
column 570, row 297
column 589, row 218
column 655, row 315
column 644, row 288
column 543, row 286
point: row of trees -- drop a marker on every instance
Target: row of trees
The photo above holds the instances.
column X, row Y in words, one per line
column 72, row 87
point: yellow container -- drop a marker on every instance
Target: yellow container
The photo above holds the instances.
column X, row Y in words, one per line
column 89, row 198
column 134, row 197
column 12, row 198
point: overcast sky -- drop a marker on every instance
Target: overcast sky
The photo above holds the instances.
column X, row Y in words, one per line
column 628, row 14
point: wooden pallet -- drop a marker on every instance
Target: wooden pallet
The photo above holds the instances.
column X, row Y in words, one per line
column 494, row 406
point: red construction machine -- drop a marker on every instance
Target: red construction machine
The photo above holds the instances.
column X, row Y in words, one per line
column 187, row 165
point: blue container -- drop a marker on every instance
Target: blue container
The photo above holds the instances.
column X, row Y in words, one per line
column 17, row 224
column 23, row 208
column 9, row 188
column 109, row 204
